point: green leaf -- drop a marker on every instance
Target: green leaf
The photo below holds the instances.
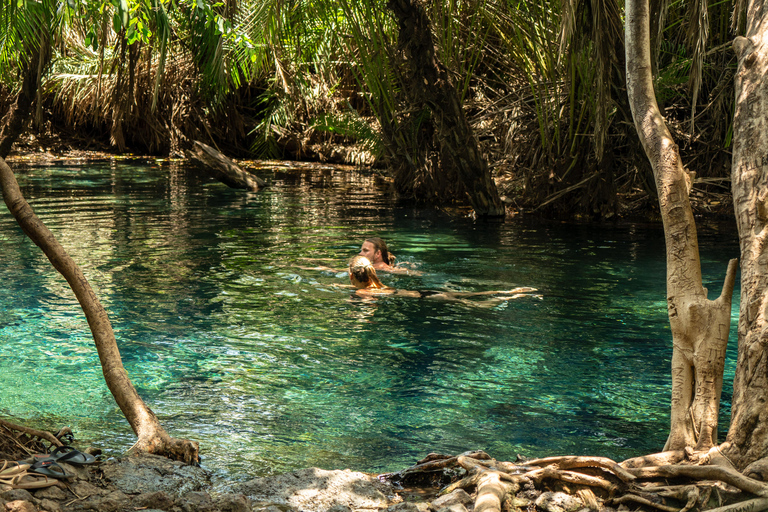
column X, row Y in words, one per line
column 123, row 10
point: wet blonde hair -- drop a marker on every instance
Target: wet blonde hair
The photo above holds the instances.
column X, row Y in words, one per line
column 362, row 270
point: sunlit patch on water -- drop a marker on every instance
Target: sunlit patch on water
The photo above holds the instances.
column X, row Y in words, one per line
column 235, row 341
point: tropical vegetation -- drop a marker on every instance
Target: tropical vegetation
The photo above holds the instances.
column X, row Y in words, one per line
column 540, row 90
column 542, row 85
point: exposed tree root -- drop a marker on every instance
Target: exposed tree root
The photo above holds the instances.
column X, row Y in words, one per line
column 572, row 462
column 490, row 492
column 755, row 505
column 18, row 441
column 727, row 475
column 595, row 481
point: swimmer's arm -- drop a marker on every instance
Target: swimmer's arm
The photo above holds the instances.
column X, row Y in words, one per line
column 518, row 290
column 323, row 269
column 401, row 270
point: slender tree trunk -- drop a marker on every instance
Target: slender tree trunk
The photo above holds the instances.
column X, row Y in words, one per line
column 699, row 326
column 430, row 83
column 747, row 442
column 152, row 437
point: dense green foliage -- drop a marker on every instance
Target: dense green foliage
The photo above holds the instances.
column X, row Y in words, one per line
column 542, row 83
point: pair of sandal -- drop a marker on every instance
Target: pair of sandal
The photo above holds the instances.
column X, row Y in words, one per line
column 16, row 475
column 64, row 454
column 42, row 470
column 47, row 463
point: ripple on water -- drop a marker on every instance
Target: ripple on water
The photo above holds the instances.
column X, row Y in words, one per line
column 234, row 342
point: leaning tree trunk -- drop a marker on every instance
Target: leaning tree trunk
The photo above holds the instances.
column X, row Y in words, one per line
column 699, row 326
column 429, row 83
column 152, row 436
column 747, row 442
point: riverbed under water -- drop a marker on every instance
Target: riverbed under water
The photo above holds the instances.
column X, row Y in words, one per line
column 272, row 366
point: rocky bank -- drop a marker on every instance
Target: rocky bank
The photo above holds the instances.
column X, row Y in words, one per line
column 151, row 483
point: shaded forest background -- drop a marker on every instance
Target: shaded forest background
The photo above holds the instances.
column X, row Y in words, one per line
column 542, row 84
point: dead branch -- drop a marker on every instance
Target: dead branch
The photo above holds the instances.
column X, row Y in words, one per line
column 40, row 434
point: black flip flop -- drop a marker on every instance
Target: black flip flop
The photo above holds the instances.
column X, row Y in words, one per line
column 69, row 455
column 49, row 468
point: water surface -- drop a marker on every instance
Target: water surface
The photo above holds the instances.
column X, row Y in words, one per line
column 272, row 366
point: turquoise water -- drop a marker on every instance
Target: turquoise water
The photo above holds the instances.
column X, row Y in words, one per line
column 273, row 367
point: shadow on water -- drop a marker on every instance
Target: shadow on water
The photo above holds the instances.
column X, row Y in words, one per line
column 273, row 367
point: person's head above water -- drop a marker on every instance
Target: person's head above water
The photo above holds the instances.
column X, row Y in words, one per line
column 362, row 274
column 375, row 249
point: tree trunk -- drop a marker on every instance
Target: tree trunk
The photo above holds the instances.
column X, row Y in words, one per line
column 13, row 123
column 699, row 326
column 429, row 83
column 152, row 437
column 747, row 442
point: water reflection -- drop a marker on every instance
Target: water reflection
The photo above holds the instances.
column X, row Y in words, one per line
column 273, row 367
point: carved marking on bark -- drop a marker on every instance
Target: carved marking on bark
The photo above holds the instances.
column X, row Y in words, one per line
column 678, row 378
column 755, row 354
column 716, row 354
column 671, row 307
column 747, row 219
column 678, row 254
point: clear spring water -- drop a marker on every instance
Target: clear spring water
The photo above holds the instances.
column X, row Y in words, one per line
column 271, row 367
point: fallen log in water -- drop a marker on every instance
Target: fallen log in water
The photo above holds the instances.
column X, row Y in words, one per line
column 222, row 168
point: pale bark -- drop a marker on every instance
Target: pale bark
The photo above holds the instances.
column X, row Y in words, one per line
column 490, row 493
column 151, row 436
column 699, row 326
column 747, row 440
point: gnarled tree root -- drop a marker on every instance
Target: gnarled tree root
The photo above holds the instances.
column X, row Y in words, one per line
column 162, row 444
column 596, row 479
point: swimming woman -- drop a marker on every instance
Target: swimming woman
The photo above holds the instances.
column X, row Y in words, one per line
column 377, row 252
column 362, row 275
column 375, row 249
